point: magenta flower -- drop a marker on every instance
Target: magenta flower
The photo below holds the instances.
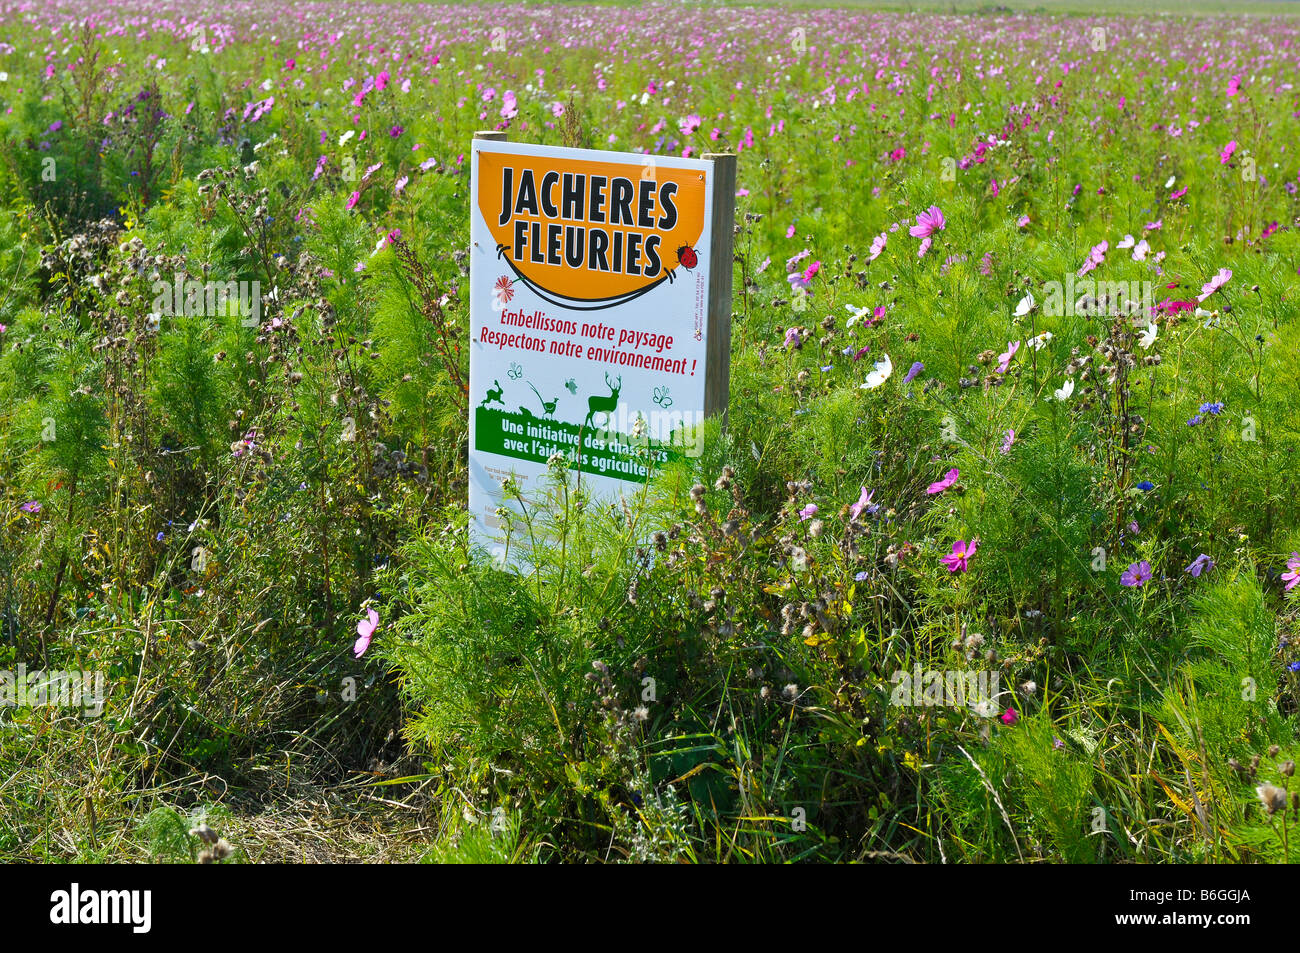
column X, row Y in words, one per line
column 1217, row 281
column 1227, row 152
column 927, row 223
column 1292, row 578
column 956, row 561
column 864, row 500
column 808, row 512
column 353, row 199
column 1008, row 441
column 32, row 507
column 365, row 632
column 948, row 480
column 1009, row 717
column 1137, row 574
column 1004, row 359
column 1095, row 257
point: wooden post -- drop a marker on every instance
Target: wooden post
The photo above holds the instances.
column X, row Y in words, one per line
column 492, row 134
column 717, row 358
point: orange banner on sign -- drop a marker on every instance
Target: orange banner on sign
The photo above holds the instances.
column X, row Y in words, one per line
column 589, row 235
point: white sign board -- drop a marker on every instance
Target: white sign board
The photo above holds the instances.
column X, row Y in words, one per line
column 590, row 319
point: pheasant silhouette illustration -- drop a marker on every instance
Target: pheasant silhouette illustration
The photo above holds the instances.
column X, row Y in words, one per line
column 547, row 405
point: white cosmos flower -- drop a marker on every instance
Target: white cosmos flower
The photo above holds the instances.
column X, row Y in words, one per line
column 1141, row 250
column 1125, row 242
column 1040, row 341
column 1025, row 306
column 343, row 139
column 857, row 314
column 1065, row 390
column 1148, row 336
column 1170, row 183
column 880, row 374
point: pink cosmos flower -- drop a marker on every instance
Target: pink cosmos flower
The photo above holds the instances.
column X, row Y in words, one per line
column 1292, row 578
column 948, row 480
column 365, row 632
column 808, row 512
column 1214, row 284
column 1004, row 359
column 956, row 561
column 1226, row 154
column 877, row 246
column 927, row 223
column 1008, row 441
column 1095, row 257
column 864, row 500
column 353, row 199
column 1136, row 575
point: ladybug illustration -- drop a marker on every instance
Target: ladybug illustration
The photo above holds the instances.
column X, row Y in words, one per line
column 686, row 255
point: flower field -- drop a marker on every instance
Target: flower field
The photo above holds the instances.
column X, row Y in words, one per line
column 996, row 558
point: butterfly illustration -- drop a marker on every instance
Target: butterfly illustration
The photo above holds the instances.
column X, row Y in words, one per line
column 662, row 398
column 515, row 371
column 571, row 386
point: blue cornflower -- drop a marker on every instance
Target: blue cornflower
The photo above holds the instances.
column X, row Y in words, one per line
column 1195, row 420
column 1294, row 666
column 1213, row 409
column 1146, row 486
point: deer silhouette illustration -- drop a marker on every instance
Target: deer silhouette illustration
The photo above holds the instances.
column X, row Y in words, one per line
column 604, row 405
